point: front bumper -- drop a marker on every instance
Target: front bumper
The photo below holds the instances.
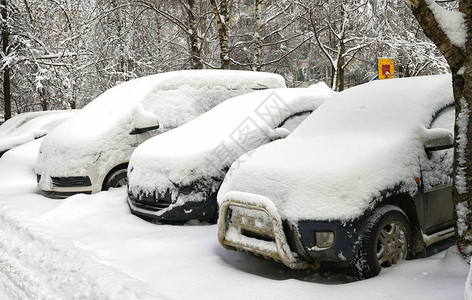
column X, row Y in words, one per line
column 254, row 226
column 63, row 187
column 148, row 207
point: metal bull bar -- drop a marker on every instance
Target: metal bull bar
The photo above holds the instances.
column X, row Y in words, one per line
column 273, row 243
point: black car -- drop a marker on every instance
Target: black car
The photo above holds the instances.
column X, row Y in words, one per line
column 176, row 176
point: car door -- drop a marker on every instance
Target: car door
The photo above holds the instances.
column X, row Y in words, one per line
column 437, row 180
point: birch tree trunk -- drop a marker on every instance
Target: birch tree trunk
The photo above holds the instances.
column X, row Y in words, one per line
column 195, row 50
column 459, row 58
column 222, row 17
column 258, row 35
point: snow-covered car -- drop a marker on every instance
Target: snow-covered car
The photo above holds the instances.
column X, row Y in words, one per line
column 176, row 176
column 364, row 182
column 16, row 121
column 90, row 151
column 29, row 126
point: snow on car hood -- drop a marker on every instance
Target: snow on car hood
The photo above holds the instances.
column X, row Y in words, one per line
column 363, row 142
column 101, row 129
column 205, row 147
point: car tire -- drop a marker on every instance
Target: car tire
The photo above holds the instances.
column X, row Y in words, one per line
column 386, row 240
column 117, row 178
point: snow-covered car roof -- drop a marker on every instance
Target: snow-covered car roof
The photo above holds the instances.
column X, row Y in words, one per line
column 363, row 142
column 207, row 145
column 32, row 126
column 174, row 97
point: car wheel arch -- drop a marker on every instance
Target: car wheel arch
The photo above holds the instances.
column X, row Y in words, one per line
column 406, row 203
column 111, row 172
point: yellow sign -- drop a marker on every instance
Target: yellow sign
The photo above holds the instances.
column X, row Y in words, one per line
column 386, row 68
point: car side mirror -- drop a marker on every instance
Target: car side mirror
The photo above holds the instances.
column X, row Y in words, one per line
column 279, row 133
column 139, row 130
column 143, row 121
column 438, row 139
column 39, row 134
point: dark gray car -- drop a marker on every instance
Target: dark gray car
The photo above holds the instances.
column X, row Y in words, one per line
column 364, row 182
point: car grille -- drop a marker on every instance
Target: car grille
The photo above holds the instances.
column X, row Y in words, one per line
column 149, row 201
column 75, row 181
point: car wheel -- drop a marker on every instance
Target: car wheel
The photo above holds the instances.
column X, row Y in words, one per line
column 116, row 179
column 386, row 240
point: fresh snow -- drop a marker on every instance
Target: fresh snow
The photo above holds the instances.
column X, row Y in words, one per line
column 91, row 247
column 462, row 121
column 32, row 129
column 336, row 161
column 16, row 121
column 204, row 148
column 98, row 138
column 451, row 22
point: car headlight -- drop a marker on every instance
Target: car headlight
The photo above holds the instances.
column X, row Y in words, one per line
column 324, row 239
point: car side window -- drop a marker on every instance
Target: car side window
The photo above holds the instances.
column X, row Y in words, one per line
column 437, row 167
column 293, row 121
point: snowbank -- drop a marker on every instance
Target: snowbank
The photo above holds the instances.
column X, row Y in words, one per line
column 366, row 140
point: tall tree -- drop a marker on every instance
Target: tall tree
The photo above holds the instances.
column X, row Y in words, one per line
column 222, row 18
column 451, row 31
column 6, row 68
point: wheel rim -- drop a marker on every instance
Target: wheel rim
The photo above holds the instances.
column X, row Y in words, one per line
column 392, row 244
column 121, row 182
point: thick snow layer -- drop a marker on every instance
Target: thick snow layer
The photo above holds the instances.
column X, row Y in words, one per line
column 33, row 129
column 16, row 121
column 99, row 133
column 203, row 149
column 364, row 141
column 451, row 22
column 91, row 247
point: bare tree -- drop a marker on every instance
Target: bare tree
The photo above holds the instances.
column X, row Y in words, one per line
column 341, row 29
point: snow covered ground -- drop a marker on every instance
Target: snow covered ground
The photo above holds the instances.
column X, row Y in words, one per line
column 91, row 247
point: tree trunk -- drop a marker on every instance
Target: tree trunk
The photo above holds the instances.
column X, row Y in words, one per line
column 340, row 67
column 460, row 62
column 258, row 36
column 6, row 70
column 195, row 50
column 221, row 16
column 203, row 23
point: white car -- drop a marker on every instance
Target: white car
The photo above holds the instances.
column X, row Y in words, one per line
column 364, row 182
column 90, row 152
column 16, row 121
column 175, row 176
column 29, row 126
